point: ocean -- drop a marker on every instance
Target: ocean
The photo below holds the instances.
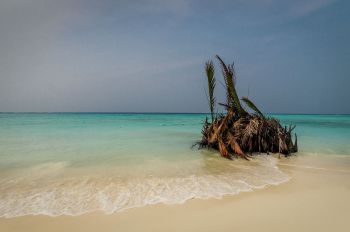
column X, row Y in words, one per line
column 74, row 163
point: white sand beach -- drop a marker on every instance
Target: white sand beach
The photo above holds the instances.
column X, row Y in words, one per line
column 315, row 199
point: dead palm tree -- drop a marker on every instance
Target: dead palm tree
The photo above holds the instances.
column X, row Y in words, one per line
column 237, row 132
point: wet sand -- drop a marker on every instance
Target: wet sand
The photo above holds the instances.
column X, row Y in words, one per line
column 315, row 199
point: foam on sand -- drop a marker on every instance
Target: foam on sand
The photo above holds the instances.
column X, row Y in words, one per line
column 54, row 195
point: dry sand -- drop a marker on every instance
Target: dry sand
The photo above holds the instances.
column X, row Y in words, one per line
column 317, row 198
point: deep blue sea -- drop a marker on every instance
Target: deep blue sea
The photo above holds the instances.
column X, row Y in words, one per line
column 73, row 163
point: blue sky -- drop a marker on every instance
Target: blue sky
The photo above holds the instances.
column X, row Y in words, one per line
column 148, row 55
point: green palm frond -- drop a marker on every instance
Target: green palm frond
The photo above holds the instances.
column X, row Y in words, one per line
column 228, row 72
column 251, row 105
column 225, row 72
column 209, row 70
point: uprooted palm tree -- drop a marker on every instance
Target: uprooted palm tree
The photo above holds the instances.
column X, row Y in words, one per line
column 237, row 132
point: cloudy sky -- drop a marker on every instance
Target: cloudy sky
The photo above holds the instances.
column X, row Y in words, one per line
column 148, row 55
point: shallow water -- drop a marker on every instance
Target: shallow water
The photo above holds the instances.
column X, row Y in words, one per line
column 68, row 163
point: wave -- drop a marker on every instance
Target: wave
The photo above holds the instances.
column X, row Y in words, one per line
column 78, row 195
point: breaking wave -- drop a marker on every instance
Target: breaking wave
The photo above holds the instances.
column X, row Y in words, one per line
column 75, row 195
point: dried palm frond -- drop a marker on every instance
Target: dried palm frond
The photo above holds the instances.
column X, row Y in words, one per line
column 223, row 150
column 235, row 146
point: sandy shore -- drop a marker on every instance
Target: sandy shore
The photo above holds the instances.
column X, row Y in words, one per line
column 317, row 198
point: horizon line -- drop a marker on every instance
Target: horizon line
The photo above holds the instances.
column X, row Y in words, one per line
column 133, row 112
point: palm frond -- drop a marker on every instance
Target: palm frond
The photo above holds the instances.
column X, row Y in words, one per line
column 210, row 70
column 251, row 105
column 228, row 72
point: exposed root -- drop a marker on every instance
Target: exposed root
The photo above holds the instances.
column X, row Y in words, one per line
column 236, row 136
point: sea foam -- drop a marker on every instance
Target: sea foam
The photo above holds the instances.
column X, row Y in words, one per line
column 75, row 195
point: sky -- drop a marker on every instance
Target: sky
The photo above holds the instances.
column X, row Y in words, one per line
column 149, row 55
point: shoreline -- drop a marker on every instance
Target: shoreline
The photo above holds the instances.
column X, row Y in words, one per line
column 314, row 199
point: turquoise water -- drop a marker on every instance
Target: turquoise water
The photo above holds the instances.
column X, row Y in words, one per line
column 72, row 163
column 326, row 134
